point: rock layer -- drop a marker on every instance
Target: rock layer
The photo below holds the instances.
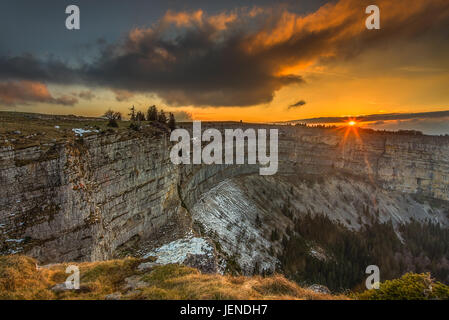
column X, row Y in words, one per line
column 81, row 200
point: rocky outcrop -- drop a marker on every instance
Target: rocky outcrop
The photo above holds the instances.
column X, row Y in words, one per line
column 88, row 199
column 84, row 199
column 406, row 163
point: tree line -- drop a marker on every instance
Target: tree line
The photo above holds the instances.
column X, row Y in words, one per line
column 152, row 114
column 349, row 252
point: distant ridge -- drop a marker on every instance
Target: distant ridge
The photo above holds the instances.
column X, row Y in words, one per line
column 376, row 117
column 32, row 115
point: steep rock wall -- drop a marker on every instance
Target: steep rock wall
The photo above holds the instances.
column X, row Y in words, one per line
column 81, row 201
column 410, row 164
column 87, row 199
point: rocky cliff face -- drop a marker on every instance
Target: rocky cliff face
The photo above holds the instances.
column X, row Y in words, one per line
column 85, row 199
column 412, row 164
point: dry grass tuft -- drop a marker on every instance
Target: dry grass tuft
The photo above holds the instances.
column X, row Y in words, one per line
column 19, row 279
column 179, row 282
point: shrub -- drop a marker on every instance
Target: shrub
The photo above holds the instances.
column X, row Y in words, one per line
column 410, row 286
column 113, row 123
column 134, row 126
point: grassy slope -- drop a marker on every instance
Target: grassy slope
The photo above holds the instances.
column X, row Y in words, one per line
column 20, row 278
column 23, row 130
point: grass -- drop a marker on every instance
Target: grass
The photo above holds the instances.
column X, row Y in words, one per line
column 20, row 278
column 180, row 282
column 24, row 130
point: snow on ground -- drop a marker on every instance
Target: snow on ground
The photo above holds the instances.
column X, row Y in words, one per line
column 80, row 132
column 15, row 240
column 178, row 251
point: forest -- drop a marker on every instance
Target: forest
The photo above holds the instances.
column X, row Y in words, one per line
column 344, row 254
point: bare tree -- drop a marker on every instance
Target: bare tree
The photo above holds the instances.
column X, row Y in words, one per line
column 113, row 117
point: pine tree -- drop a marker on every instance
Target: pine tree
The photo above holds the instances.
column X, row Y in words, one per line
column 132, row 114
column 172, row 122
column 140, row 116
column 162, row 118
column 152, row 113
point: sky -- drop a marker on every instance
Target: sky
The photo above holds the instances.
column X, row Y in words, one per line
column 256, row 61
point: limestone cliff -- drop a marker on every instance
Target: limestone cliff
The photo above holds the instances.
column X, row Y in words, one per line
column 83, row 199
column 86, row 199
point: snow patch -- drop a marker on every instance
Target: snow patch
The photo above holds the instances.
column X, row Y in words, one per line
column 178, row 251
column 15, row 240
column 80, row 132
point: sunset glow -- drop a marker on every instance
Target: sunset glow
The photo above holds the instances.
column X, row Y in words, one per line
column 311, row 60
column 246, row 150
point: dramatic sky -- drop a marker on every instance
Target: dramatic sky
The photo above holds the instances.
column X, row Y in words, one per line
column 229, row 60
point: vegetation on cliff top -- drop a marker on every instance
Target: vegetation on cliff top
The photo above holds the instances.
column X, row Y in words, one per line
column 24, row 130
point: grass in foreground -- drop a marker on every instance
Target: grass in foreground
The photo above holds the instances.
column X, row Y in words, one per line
column 20, row 278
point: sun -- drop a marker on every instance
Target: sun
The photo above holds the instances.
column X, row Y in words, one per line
column 352, row 123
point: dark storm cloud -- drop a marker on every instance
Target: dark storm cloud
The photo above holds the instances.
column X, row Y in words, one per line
column 200, row 66
column 86, row 95
column 300, row 103
column 28, row 67
column 236, row 58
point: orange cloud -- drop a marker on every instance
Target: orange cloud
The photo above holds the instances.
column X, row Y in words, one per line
column 26, row 92
column 339, row 29
column 243, row 57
